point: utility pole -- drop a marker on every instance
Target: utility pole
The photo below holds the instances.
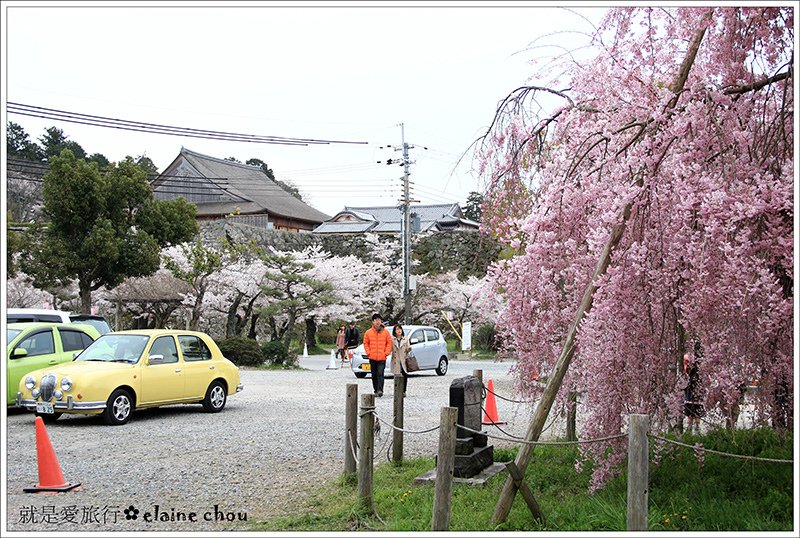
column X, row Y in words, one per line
column 406, row 230
column 405, row 227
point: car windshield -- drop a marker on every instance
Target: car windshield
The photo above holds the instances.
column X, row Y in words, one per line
column 11, row 334
column 113, row 347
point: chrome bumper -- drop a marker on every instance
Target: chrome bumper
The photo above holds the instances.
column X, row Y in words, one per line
column 69, row 405
column 239, row 387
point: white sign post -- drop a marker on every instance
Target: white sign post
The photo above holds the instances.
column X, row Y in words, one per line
column 466, row 336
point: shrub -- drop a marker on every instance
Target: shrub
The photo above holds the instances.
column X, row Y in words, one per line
column 242, row 351
column 276, row 353
column 485, row 338
column 326, row 334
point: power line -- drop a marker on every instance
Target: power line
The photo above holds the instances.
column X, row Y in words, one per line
column 329, row 168
column 436, row 200
column 154, row 128
column 436, row 192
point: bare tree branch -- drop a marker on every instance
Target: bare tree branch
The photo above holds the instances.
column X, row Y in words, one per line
column 755, row 86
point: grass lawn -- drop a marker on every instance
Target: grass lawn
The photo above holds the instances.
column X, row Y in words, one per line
column 716, row 494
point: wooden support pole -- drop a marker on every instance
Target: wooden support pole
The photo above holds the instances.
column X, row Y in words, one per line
column 365, row 455
column 445, row 462
column 503, row 506
column 555, row 379
column 572, row 404
column 638, row 472
column 397, row 436
column 350, row 431
column 519, row 481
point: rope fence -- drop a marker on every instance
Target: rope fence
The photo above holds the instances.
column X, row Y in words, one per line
column 354, row 446
column 525, row 442
column 509, row 437
column 727, row 454
column 392, row 426
column 638, row 454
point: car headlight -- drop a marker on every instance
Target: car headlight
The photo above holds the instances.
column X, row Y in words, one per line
column 66, row 384
column 35, row 393
column 30, row 382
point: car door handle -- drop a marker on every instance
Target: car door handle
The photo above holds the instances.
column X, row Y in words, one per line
column 177, row 369
column 211, row 367
column 53, row 362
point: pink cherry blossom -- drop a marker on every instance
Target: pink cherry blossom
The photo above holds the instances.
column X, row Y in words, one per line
column 707, row 253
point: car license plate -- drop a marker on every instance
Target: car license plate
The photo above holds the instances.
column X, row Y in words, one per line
column 365, row 367
column 42, row 407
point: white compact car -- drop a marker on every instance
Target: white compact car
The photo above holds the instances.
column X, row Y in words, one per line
column 428, row 344
column 43, row 315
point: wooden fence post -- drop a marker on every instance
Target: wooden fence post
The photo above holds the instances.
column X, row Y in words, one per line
column 572, row 404
column 350, row 432
column 445, row 462
column 397, row 435
column 479, row 375
column 638, row 472
column 365, row 455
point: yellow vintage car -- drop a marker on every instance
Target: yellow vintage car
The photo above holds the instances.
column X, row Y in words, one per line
column 127, row 370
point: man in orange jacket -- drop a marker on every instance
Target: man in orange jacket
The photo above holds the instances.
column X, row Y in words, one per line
column 378, row 346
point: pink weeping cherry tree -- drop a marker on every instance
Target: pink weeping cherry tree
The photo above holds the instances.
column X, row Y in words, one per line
column 678, row 138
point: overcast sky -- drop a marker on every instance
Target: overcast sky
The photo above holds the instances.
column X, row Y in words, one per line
column 330, row 72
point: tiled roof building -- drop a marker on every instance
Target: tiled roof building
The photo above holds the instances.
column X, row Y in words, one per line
column 389, row 219
column 221, row 188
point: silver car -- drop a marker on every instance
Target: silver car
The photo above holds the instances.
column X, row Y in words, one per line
column 428, row 344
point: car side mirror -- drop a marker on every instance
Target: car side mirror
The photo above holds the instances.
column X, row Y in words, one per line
column 75, row 355
column 414, row 341
column 19, row 353
column 155, row 359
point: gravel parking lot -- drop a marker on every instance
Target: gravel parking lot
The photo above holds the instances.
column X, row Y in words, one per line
column 261, row 457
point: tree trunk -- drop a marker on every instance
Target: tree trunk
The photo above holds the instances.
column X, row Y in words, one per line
column 252, row 332
column 248, row 311
column 161, row 317
column 197, row 309
column 311, row 332
column 273, row 329
column 233, row 321
column 289, row 328
column 85, row 294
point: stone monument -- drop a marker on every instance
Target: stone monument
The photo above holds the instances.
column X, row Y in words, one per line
column 473, row 455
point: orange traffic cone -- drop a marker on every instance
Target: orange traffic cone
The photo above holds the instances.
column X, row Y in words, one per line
column 490, row 415
column 51, row 480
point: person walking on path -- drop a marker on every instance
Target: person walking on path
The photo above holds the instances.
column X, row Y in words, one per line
column 341, row 343
column 400, row 351
column 377, row 346
column 352, row 336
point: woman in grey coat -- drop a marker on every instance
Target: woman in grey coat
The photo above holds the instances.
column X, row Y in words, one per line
column 400, row 350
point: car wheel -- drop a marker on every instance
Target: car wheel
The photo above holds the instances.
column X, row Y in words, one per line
column 119, row 408
column 442, row 368
column 49, row 418
column 215, row 398
column 360, row 375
